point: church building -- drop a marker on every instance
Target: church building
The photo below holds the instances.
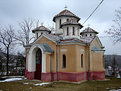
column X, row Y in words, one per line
column 69, row 54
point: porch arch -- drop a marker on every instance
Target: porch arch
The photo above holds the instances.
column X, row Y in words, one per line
column 45, row 49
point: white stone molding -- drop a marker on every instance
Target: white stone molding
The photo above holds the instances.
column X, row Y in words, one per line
column 82, row 50
column 63, row 50
column 32, row 59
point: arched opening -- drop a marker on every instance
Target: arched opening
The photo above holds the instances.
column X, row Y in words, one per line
column 67, row 30
column 64, row 61
column 81, row 60
column 73, row 30
column 38, row 60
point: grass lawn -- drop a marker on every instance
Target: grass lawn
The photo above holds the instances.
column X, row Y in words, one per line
column 112, row 83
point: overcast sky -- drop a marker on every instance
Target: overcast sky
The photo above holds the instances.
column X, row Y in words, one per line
column 12, row 11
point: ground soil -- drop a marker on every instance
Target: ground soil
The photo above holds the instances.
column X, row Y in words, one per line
column 28, row 85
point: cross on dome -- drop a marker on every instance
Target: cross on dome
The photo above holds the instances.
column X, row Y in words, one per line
column 42, row 24
column 88, row 25
column 65, row 7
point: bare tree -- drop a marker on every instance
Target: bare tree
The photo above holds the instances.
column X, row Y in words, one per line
column 6, row 40
column 115, row 30
column 51, row 28
column 24, row 35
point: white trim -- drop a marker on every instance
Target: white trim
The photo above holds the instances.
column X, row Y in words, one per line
column 43, row 35
column 63, row 50
column 98, row 40
column 69, row 43
column 43, row 63
column 98, row 51
column 32, row 61
column 82, row 50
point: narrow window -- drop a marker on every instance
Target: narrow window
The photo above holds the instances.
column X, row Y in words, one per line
column 67, row 20
column 64, row 61
column 37, row 35
column 60, row 22
column 73, row 30
column 90, row 34
column 86, row 35
column 81, row 60
column 67, row 30
column 103, row 62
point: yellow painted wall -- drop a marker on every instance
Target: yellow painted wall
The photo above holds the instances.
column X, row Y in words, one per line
column 79, row 51
column 98, row 62
column 71, row 63
column 96, row 58
column 53, row 47
column 73, row 57
column 87, row 58
column 47, row 62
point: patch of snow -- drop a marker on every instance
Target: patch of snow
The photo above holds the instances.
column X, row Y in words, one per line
column 11, row 79
column 25, row 83
column 107, row 88
column 118, row 76
column 40, row 84
column 115, row 90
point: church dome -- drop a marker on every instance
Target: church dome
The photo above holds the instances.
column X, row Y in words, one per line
column 89, row 30
column 41, row 28
column 71, row 22
column 66, row 13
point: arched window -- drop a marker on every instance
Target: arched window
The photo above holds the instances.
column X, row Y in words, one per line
column 81, row 60
column 103, row 61
column 60, row 22
column 64, row 61
column 67, row 30
column 73, row 30
column 38, row 56
column 90, row 34
column 37, row 35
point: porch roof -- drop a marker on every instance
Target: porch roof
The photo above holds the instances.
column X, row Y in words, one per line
column 95, row 48
column 46, row 47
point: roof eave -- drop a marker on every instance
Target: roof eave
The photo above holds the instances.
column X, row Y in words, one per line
column 65, row 16
column 71, row 24
column 27, row 46
column 88, row 32
column 33, row 31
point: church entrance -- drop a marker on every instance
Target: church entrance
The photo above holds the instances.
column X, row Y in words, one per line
column 38, row 64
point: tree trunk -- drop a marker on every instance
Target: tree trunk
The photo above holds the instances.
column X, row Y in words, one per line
column 7, row 59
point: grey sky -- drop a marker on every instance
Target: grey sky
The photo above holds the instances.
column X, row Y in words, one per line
column 12, row 11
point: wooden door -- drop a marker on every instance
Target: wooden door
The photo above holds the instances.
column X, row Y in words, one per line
column 38, row 64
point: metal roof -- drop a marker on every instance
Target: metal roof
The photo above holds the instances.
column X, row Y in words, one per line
column 71, row 22
column 66, row 13
column 41, row 28
column 95, row 48
column 89, row 30
column 46, row 48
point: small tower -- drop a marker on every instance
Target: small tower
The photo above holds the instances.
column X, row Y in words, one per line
column 71, row 29
column 40, row 30
column 62, row 17
column 88, row 32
